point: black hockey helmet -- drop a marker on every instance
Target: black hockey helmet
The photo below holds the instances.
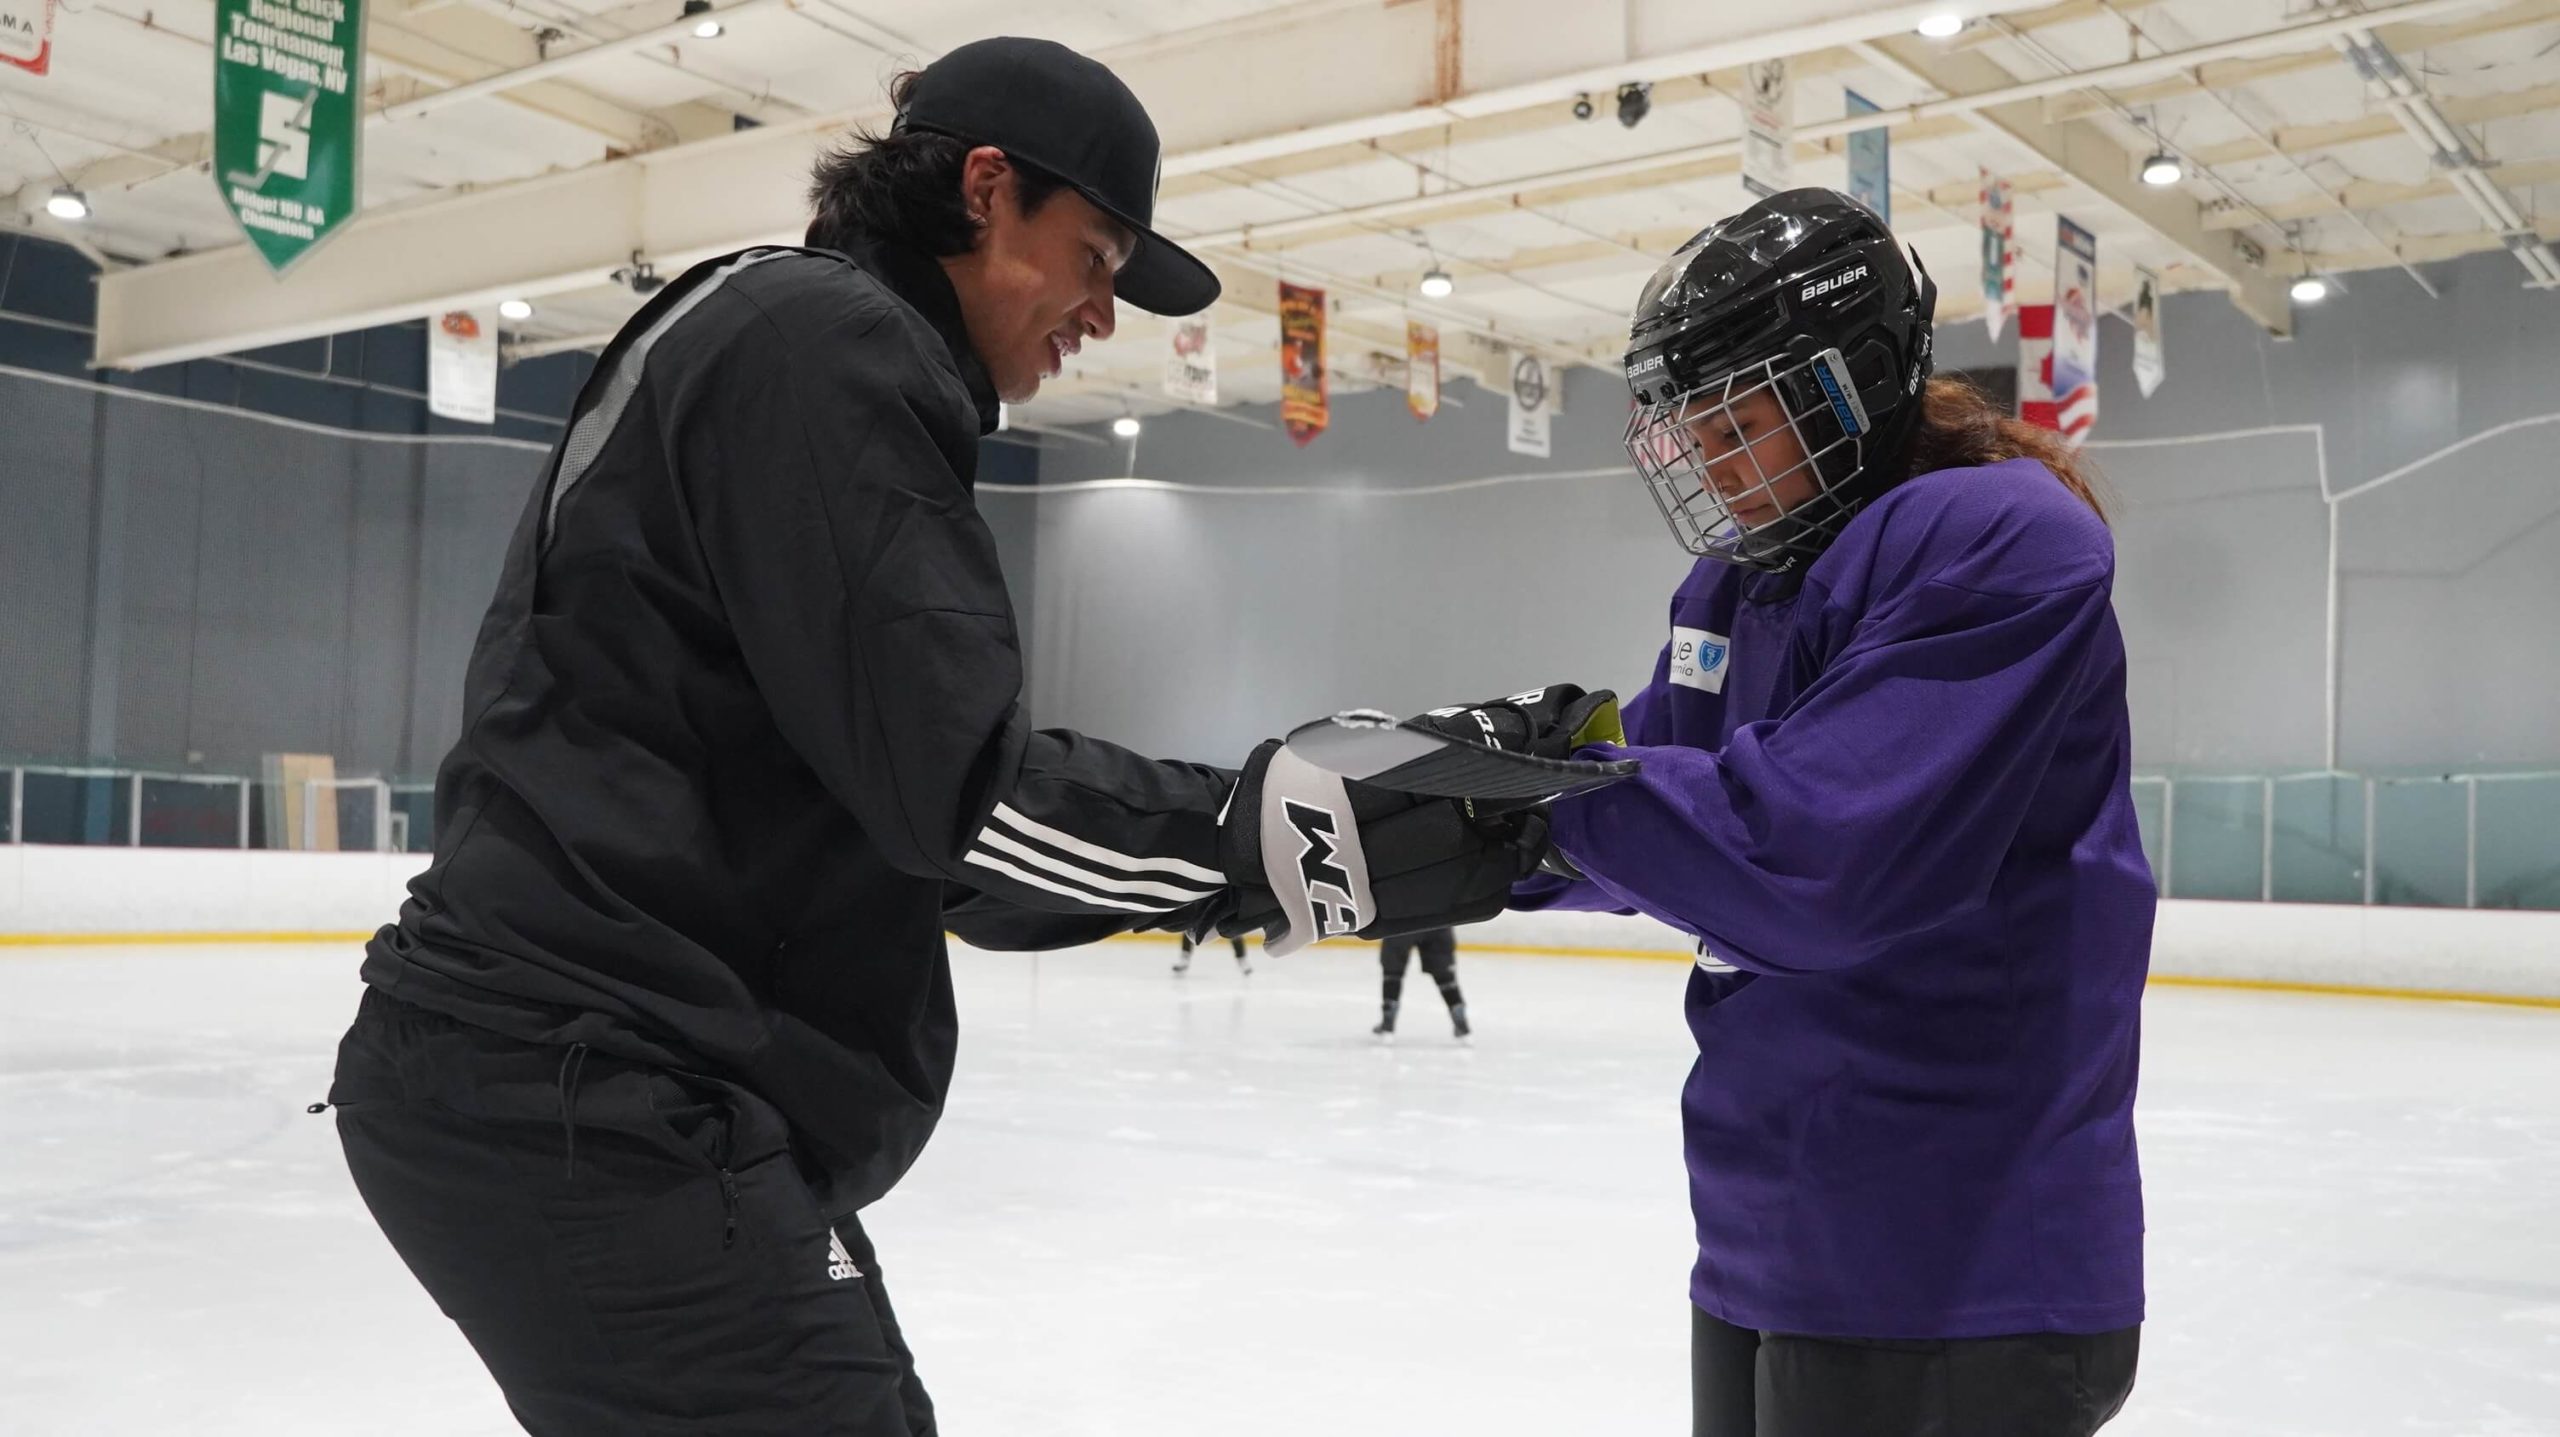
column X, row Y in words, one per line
column 1803, row 296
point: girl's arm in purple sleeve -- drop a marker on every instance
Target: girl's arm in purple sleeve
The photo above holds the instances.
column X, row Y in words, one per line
column 1549, row 893
column 1879, row 805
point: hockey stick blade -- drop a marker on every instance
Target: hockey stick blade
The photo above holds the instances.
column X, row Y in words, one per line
column 1375, row 748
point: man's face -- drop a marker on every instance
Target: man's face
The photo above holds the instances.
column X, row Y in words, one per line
column 1038, row 285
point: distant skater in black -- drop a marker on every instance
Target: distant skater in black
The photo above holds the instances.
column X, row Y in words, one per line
column 1439, row 959
column 1244, row 964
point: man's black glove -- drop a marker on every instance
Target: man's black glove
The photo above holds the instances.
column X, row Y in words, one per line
column 1322, row 856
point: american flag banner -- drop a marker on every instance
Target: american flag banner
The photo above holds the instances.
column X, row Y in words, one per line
column 2072, row 413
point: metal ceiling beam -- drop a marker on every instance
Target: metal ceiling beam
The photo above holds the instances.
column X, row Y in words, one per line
column 1667, row 167
column 1290, row 90
column 2233, row 73
column 2413, row 249
column 2462, row 110
column 443, row 51
column 555, row 66
column 1993, row 88
column 569, row 231
column 2455, row 153
column 2095, row 161
column 1551, row 119
column 1279, row 71
column 2378, row 194
column 1422, row 147
column 538, row 237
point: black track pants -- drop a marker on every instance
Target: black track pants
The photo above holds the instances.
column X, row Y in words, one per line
column 630, row 1250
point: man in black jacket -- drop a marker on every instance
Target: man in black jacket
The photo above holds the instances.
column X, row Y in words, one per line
column 743, row 737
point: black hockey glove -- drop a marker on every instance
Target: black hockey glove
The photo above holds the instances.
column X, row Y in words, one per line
column 1315, row 856
column 1551, row 722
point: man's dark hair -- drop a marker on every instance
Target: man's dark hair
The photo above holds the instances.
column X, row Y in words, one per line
column 904, row 187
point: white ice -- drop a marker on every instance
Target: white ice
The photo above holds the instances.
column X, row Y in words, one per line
column 1212, row 1205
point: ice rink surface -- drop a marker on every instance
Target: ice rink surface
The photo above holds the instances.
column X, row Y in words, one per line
column 1213, row 1204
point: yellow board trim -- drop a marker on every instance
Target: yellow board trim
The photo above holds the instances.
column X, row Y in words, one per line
column 1648, row 955
column 2248, row 985
column 131, row 940
column 2351, row 990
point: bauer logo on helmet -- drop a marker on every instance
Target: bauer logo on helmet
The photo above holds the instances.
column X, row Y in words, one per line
column 1842, row 280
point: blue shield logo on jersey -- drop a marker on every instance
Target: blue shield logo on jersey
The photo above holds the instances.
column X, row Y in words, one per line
column 1697, row 659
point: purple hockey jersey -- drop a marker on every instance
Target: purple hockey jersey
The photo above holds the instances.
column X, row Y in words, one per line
column 1894, row 809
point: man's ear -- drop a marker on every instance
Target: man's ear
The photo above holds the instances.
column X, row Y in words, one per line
column 983, row 176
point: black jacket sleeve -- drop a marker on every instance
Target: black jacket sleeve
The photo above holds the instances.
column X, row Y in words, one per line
column 982, row 920
column 824, row 448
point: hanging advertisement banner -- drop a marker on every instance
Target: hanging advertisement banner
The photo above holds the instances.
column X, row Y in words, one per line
column 1768, row 129
column 2075, row 309
column 26, row 34
column 1191, row 364
column 2149, row 365
column 1870, row 161
column 287, row 130
column 1533, row 405
column 1304, row 410
column 462, row 366
column 1421, row 370
column 1999, row 252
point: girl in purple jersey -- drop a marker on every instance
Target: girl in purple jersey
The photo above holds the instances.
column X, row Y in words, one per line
column 1885, row 785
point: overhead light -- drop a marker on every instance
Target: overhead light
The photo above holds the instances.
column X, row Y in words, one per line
column 1582, row 106
column 67, row 203
column 1943, row 25
column 1635, row 101
column 515, row 309
column 2163, row 169
column 2310, row 289
column 1436, row 283
column 1126, row 426
column 708, row 29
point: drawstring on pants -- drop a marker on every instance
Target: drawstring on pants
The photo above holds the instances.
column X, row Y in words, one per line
column 572, row 1064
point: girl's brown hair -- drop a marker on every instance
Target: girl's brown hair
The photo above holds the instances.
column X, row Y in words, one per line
column 1960, row 428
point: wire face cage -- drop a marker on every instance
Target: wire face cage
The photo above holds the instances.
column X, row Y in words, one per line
column 1749, row 468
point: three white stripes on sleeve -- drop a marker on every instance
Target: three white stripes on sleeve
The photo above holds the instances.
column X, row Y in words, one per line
column 1034, row 853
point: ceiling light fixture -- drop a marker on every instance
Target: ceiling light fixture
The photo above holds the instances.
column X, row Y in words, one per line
column 1946, row 24
column 518, row 309
column 1436, row 283
column 67, row 203
column 1126, row 426
column 2163, row 169
column 2310, row 289
column 708, row 28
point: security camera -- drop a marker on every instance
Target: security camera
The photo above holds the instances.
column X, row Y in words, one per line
column 639, row 276
column 1635, row 101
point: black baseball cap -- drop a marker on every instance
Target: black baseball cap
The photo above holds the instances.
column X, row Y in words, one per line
column 1048, row 106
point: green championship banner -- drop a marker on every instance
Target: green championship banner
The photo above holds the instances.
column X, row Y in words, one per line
column 288, row 130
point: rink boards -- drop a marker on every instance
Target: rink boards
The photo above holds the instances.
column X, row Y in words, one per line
column 53, row 895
